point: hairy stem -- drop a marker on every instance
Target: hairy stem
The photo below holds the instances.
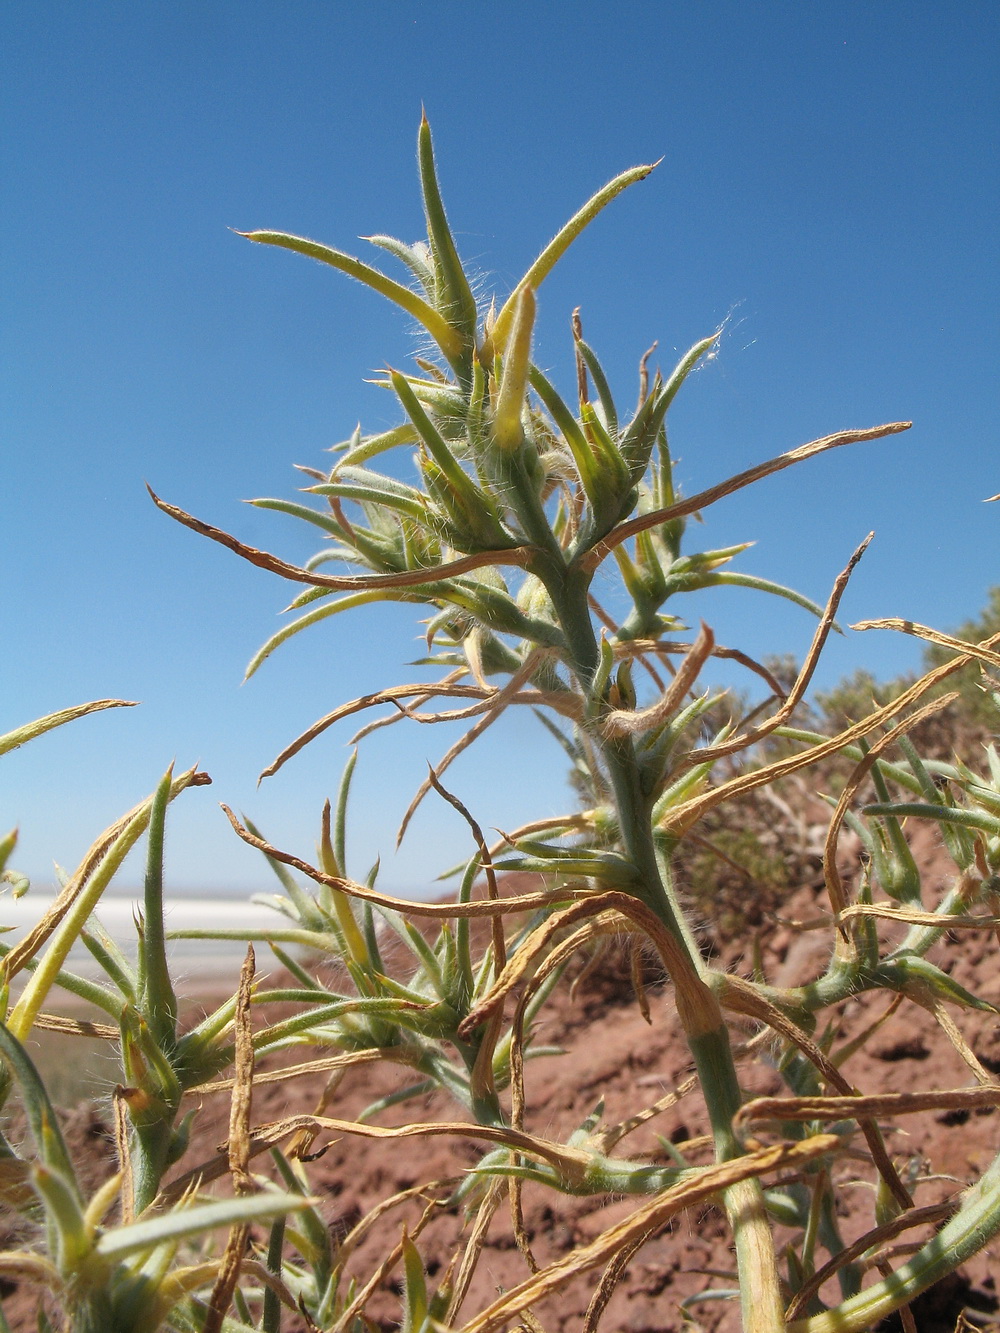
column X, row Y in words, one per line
column 697, row 1007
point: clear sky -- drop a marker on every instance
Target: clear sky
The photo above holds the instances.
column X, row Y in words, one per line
column 829, row 187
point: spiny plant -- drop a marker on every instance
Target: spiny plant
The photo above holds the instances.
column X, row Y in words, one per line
column 515, row 500
column 125, row 1278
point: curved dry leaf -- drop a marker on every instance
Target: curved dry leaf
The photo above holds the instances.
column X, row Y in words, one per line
column 627, row 722
column 916, row 1217
column 526, row 902
column 648, row 1219
column 795, row 695
column 735, row 483
column 831, row 872
column 912, row 916
column 981, row 651
column 873, row 1104
column 682, row 817
column 412, row 578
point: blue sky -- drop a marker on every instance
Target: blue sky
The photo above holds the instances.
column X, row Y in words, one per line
column 829, row 189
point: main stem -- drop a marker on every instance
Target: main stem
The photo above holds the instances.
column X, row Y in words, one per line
column 705, row 1029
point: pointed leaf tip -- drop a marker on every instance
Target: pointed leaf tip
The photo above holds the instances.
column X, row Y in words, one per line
column 562, row 241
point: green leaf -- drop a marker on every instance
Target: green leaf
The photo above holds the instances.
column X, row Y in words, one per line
column 925, row 974
column 326, row 521
column 380, row 484
column 640, row 436
column 309, row 595
column 601, row 385
column 313, row 618
column 147, row 1066
column 945, row 814
column 571, row 430
column 340, row 817
column 680, row 790
column 350, row 482
column 438, row 448
column 415, row 257
column 120, row 1242
column 681, row 371
column 310, row 1223
column 726, row 578
column 615, row 477
column 437, row 326
column 560, row 243
column 638, row 441
column 21, row 735
column 111, row 958
column 270, row 1319
column 608, row 867
column 397, row 1098
column 7, row 845
column 391, row 1009
column 64, row 1214
column 157, row 999
column 372, row 445
column 128, row 831
column 98, row 995
column 507, row 430
column 659, row 742
column 893, row 861
column 49, row 1142
column 454, row 295
column 446, row 402
column 472, row 512
column 415, row 1289
column 306, row 911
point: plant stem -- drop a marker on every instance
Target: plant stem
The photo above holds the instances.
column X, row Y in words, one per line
column 697, row 1007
